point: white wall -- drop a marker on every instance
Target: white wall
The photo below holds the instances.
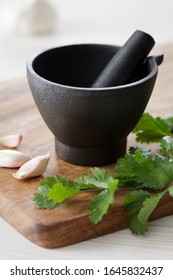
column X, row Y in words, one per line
column 114, row 20
column 107, row 21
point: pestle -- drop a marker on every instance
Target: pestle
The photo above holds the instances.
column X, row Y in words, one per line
column 123, row 66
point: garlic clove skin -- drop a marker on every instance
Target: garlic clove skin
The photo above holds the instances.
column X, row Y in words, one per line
column 33, row 168
column 11, row 140
column 12, row 159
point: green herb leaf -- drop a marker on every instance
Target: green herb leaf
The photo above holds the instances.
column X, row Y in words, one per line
column 134, row 201
column 166, row 146
column 62, row 189
column 48, row 182
column 168, row 120
column 41, row 200
column 53, row 190
column 150, row 129
column 136, row 226
column 98, row 179
column 140, row 205
column 149, row 205
column 155, row 172
column 147, row 171
column 60, row 192
column 99, row 205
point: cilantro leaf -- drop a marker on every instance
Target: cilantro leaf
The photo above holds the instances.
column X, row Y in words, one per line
column 155, row 172
column 150, row 129
column 99, row 205
column 144, row 170
column 53, row 190
column 61, row 188
column 168, row 120
column 166, row 146
column 126, row 166
column 60, row 192
column 140, row 205
column 102, row 175
column 48, row 182
column 148, row 206
column 41, row 200
column 136, row 226
column 98, row 179
column 133, row 202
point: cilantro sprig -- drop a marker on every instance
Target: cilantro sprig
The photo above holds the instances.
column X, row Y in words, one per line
column 54, row 190
column 146, row 173
column 146, row 170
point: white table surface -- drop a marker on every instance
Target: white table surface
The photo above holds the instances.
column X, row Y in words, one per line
column 91, row 21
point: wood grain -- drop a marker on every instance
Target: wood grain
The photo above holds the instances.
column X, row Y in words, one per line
column 68, row 223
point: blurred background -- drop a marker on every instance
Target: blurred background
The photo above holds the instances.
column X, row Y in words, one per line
column 31, row 25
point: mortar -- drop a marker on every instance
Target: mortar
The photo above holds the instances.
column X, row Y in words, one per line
column 90, row 125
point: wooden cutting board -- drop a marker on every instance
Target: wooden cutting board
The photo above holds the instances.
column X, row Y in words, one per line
column 68, row 223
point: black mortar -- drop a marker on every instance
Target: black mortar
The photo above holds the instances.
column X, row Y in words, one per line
column 90, row 125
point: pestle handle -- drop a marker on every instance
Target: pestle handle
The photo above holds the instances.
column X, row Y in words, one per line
column 124, row 65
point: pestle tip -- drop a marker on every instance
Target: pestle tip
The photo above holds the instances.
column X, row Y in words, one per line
column 143, row 33
column 124, row 65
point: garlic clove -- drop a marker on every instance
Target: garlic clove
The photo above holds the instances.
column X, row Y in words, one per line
column 12, row 159
column 33, row 168
column 11, row 140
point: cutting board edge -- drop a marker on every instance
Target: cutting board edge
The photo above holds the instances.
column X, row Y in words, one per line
column 62, row 234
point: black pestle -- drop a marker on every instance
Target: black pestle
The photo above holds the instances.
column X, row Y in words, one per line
column 121, row 69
